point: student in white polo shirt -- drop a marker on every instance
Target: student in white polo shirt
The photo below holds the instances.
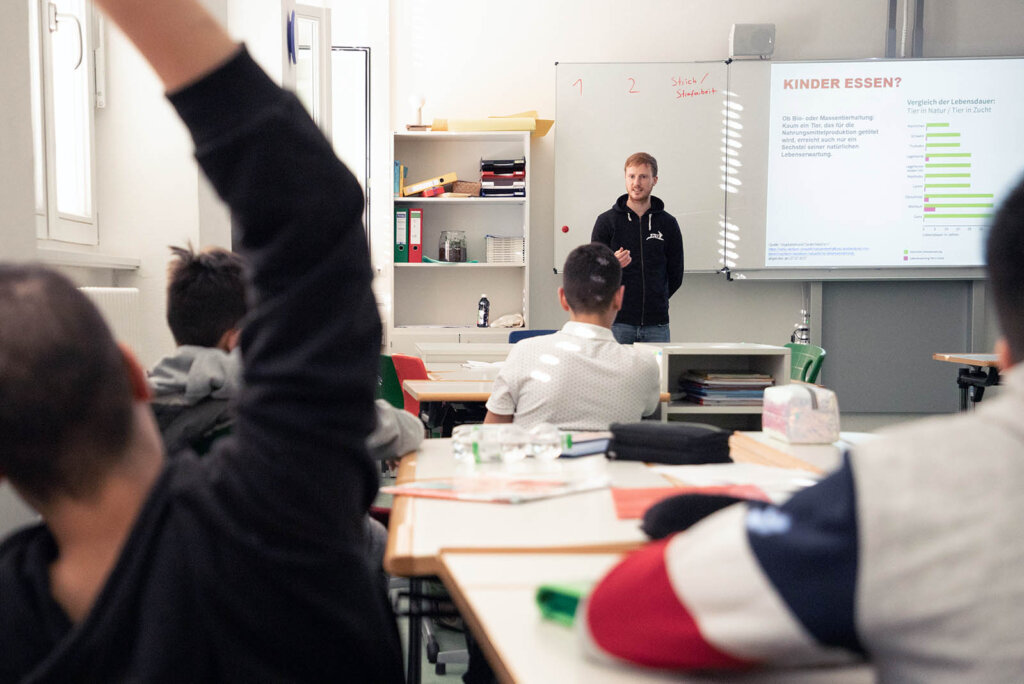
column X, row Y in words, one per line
column 578, row 378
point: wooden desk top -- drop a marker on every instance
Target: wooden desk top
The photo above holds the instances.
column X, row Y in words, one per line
column 757, row 447
column 421, row 528
column 495, row 592
column 444, row 390
column 967, row 359
column 464, row 375
column 458, row 390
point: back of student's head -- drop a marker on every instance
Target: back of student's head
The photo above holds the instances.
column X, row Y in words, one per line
column 591, row 278
column 65, row 396
column 1005, row 258
column 206, row 295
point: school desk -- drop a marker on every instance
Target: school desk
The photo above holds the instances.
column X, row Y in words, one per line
column 495, row 592
column 454, row 372
column 981, row 371
column 462, row 391
column 419, row 529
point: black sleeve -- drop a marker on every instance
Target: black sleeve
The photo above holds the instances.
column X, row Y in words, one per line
column 603, row 231
column 674, row 257
column 311, row 340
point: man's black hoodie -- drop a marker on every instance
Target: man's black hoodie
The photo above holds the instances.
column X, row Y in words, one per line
column 656, row 247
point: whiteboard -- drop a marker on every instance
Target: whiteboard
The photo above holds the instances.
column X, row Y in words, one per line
column 673, row 111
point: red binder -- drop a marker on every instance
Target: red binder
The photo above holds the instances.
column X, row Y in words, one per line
column 415, row 236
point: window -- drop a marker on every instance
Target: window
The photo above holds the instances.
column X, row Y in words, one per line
column 63, row 99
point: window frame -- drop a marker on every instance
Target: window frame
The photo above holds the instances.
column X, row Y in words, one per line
column 52, row 224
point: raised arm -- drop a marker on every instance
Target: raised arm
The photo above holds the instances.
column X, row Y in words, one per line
column 179, row 38
column 311, row 340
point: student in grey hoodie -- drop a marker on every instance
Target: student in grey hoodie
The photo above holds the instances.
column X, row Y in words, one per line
column 194, row 388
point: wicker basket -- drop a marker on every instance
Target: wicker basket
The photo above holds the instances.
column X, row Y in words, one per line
column 505, row 249
column 471, row 188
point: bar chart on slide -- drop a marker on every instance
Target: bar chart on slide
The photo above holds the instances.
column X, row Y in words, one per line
column 919, row 160
column 950, row 201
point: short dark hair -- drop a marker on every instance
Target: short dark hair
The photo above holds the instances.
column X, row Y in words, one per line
column 206, row 295
column 641, row 158
column 591, row 278
column 1005, row 259
column 65, row 394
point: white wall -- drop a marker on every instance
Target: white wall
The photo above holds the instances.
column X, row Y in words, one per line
column 147, row 182
column 17, row 213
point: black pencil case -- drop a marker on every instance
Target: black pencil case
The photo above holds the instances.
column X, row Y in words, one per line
column 670, row 443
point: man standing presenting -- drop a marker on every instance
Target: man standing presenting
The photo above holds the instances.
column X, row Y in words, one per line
column 647, row 242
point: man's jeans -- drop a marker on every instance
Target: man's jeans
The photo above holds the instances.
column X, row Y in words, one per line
column 628, row 334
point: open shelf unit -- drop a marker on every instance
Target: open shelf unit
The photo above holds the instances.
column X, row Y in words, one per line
column 676, row 359
column 436, row 302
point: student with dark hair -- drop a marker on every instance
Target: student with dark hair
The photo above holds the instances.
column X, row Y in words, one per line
column 193, row 388
column 67, row 404
column 578, row 378
column 247, row 564
column 909, row 555
column 206, row 297
column 649, row 246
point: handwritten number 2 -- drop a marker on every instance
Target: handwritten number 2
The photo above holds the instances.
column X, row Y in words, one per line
column 632, row 86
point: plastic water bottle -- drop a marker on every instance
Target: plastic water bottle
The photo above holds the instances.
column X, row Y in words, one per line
column 802, row 330
column 483, row 312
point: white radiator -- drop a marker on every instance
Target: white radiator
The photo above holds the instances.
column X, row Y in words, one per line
column 120, row 309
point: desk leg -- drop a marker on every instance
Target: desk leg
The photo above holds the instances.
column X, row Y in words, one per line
column 415, row 631
column 972, row 383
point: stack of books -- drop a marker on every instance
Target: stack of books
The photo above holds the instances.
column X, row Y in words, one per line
column 503, row 177
column 724, row 388
column 430, row 187
column 401, row 172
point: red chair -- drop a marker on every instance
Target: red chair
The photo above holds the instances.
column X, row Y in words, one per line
column 409, row 368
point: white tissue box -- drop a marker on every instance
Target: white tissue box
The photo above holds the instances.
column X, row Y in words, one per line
column 801, row 414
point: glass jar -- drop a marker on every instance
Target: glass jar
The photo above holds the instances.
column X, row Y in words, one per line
column 452, row 246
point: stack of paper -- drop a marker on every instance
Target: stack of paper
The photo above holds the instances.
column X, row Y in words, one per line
column 503, row 177
column 724, row 388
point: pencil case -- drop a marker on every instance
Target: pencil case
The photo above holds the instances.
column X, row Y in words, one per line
column 670, row 443
column 801, row 414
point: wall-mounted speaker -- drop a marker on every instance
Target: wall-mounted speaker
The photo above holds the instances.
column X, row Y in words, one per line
column 752, row 40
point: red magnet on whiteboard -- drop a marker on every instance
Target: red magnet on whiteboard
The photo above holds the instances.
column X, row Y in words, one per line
column 565, row 229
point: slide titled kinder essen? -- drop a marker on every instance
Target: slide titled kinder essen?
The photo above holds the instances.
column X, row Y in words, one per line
column 890, row 164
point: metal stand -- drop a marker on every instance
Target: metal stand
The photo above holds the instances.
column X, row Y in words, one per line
column 972, row 382
column 419, row 606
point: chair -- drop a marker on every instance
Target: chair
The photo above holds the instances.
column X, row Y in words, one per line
column 409, row 368
column 805, row 361
column 438, row 418
column 388, row 387
column 516, row 335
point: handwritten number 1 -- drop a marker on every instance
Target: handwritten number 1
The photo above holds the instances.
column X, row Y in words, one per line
column 580, row 81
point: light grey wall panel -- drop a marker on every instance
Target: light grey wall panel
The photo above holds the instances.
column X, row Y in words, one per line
column 880, row 338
